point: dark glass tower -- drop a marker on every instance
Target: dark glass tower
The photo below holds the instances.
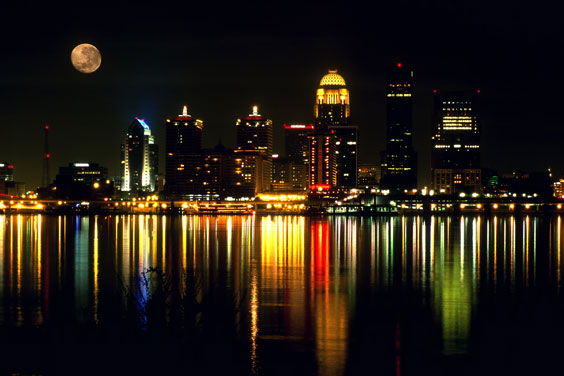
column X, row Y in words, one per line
column 399, row 160
column 332, row 113
column 183, row 141
column 455, row 155
column 254, row 132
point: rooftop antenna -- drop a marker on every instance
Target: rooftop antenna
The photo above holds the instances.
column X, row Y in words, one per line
column 46, row 175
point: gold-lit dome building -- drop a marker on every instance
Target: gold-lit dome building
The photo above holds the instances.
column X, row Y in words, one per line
column 332, row 103
column 333, row 146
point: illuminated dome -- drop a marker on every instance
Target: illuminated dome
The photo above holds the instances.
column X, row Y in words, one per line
column 332, row 79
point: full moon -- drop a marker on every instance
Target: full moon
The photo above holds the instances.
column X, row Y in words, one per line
column 86, row 58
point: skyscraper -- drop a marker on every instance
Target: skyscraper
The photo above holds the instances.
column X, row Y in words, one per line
column 332, row 112
column 322, row 170
column 399, row 160
column 297, row 152
column 183, row 142
column 139, row 159
column 254, row 132
column 455, row 155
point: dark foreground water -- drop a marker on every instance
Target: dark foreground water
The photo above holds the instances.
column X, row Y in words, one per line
column 281, row 295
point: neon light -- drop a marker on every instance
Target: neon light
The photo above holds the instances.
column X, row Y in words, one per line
column 320, row 187
column 10, row 166
column 299, row 126
column 81, row 164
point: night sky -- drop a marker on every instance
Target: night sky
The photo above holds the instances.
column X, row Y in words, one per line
column 222, row 58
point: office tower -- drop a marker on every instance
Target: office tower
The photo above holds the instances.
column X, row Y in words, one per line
column 332, row 112
column 369, row 175
column 322, row 170
column 8, row 187
column 139, row 159
column 399, row 160
column 6, row 172
column 183, row 141
column 455, row 155
column 254, row 132
column 297, row 155
column 83, row 181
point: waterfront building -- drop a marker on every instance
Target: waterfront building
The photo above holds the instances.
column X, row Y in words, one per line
column 254, row 133
column 83, row 181
column 369, row 175
column 455, row 155
column 183, row 145
column 6, row 171
column 322, row 170
column 332, row 113
column 8, row 187
column 288, row 175
column 139, row 159
column 297, row 153
column 399, row 160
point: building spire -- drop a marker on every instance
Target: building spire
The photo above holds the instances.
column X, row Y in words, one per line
column 255, row 110
column 185, row 111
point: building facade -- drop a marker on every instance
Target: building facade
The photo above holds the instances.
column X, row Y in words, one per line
column 183, row 148
column 332, row 112
column 297, row 155
column 139, row 159
column 399, row 160
column 254, row 133
column 322, row 164
column 83, row 181
column 455, row 154
column 6, row 171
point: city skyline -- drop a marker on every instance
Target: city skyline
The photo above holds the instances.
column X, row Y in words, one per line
column 510, row 56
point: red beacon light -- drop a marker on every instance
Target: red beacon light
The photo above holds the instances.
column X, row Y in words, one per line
column 47, row 155
column 46, row 127
column 399, row 65
column 478, row 91
column 434, row 90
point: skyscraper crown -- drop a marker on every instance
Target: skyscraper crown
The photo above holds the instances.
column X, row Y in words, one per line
column 332, row 79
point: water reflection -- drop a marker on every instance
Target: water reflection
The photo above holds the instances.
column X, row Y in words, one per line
column 300, row 276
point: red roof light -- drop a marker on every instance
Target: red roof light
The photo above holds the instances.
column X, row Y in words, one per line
column 399, row 65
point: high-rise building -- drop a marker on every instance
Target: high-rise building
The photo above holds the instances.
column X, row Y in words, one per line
column 369, row 175
column 254, row 132
column 399, row 160
column 83, row 181
column 332, row 112
column 139, row 159
column 455, row 155
column 297, row 152
column 183, row 142
column 322, row 170
column 6, row 172
column 9, row 187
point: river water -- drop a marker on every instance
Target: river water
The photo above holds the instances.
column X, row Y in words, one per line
column 312, row 295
